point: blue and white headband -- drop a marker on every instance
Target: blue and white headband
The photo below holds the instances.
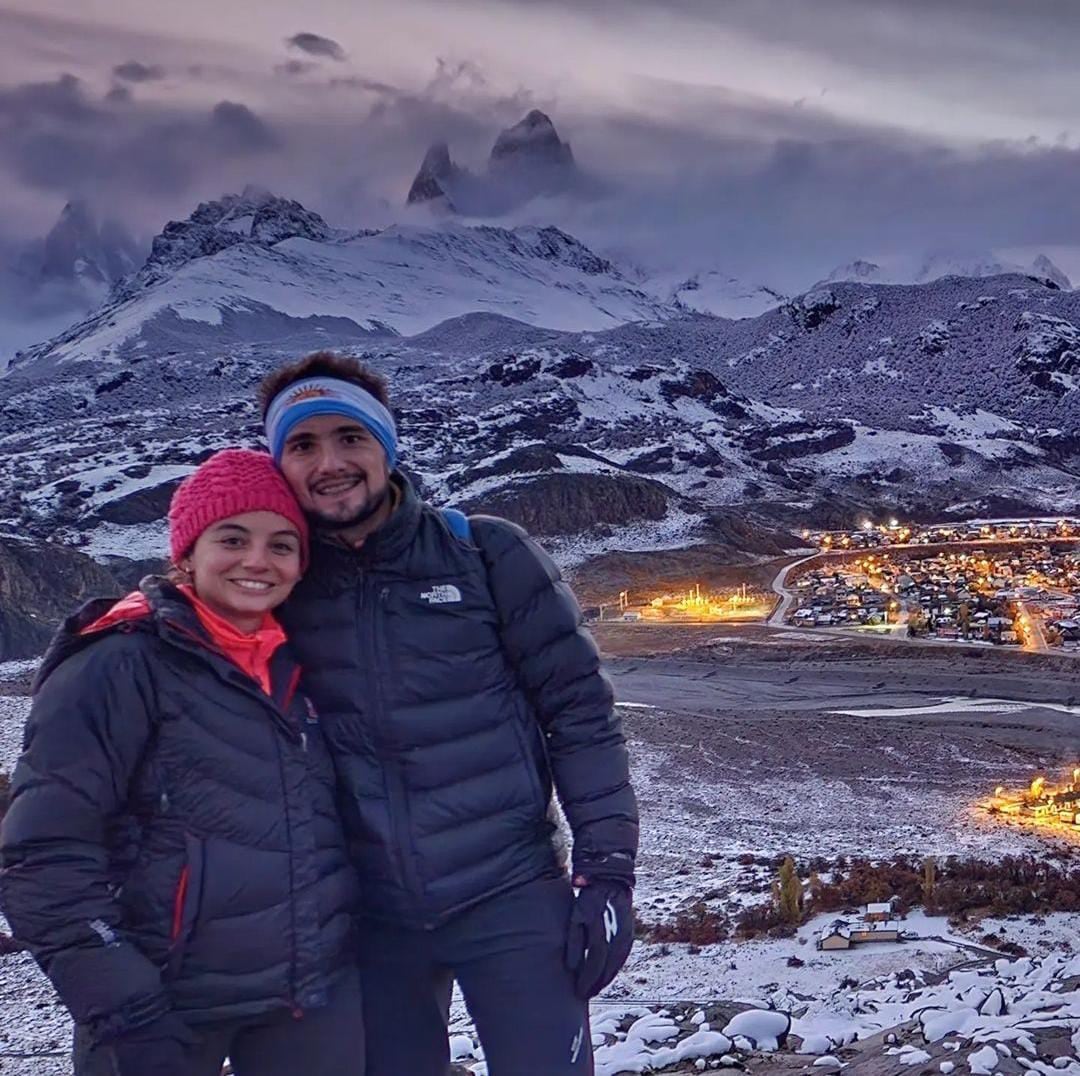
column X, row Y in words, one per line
column 328, row 396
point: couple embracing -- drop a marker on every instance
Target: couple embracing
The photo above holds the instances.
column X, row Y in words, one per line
column 272, row 806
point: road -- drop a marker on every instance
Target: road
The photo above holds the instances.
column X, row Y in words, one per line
column 1034, row 636
column 779, row 585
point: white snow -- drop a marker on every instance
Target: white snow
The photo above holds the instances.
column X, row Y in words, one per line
column 406, row 278
column 766, row 1029
column 982, row 1062
column 961, row 704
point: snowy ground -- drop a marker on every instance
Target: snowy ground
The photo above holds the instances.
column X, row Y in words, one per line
column 752, row 752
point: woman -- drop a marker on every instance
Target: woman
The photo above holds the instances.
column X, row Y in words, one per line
column 172, row 854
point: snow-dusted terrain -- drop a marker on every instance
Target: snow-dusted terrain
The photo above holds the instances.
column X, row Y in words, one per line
column 538, row 380
column 759, row 751
column 597, row 409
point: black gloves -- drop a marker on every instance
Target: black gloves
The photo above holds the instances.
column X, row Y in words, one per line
column 601, row 930
column 160, row 1047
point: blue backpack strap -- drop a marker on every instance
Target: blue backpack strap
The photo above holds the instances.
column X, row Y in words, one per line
column 458, row 523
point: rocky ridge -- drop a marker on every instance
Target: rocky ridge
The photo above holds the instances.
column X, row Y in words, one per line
column 526, row 160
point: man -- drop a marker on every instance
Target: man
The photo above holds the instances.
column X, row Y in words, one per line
column 456, row 684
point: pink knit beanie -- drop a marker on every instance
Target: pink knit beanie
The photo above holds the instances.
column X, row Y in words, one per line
column 230, row 483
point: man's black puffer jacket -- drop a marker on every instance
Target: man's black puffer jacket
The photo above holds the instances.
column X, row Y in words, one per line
column 456, row 681
column 173, row 839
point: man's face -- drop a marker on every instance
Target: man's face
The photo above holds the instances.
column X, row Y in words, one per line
column 336, row 469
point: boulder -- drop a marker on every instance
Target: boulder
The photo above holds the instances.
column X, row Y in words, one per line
column 569, row 503
column 40, row 584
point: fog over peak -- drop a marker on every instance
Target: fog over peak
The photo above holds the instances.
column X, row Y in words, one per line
column 785, row 146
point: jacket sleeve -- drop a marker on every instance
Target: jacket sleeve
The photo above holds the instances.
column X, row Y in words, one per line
column 87, row 729
column 558, row 667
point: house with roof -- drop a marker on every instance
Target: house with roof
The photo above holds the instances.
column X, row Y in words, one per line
column 878, row 923
column 837, row 935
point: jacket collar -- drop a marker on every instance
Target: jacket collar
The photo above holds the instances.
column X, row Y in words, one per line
column 169, row 615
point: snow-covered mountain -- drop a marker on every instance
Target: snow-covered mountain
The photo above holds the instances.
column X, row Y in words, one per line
column 79, row 247
column 436, row 180
column 256, row 267
column 935, row 265
column 956, row 396
column 711, row 291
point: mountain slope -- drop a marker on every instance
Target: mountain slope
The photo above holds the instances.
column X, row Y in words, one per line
column 252, row 267
column 960, row 396
column 536, row 379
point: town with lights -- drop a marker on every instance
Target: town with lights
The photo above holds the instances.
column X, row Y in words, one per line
column 1010, row 584
column 1042, row 802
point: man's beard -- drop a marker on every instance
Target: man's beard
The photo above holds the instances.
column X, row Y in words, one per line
column 370, row 506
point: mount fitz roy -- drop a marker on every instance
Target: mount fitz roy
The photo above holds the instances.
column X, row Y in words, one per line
column 527, row 160
column 536, row 379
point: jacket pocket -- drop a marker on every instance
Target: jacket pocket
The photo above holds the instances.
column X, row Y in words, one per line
column 187, row 897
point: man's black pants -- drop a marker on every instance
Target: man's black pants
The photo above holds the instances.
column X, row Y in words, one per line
column 507, row 956
column 328, row 1041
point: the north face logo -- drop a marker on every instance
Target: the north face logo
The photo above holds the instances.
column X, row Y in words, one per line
column 444, row 594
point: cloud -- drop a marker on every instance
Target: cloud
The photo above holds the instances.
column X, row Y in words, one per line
column 369, row 85
column 789, row 210
column 293, row 68
column 317, row 45
column 134, row 71
column 693, row 173
column 62, row 100
column 53, row 138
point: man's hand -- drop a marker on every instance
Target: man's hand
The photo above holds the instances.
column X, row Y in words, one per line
column 160, row 1047
column 601, row 933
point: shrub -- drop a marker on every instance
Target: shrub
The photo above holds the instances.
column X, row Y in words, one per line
column 698, row 925
column 1020, row 885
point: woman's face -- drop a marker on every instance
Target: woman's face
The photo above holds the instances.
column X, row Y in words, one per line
column 245, row 565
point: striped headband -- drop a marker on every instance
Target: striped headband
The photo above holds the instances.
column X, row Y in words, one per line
column 328, row 396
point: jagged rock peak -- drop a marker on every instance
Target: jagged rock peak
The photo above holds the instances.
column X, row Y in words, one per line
column 77, row 246
column 859, row 269
column 1044, row 267
column 532, row 140
column 432, row 182
column 253, row 216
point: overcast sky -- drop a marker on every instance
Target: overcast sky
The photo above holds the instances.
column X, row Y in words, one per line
column 799, row 129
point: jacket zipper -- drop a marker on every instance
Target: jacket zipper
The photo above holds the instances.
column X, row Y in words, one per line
column 179, row 900
column 394, row 771
column 294, row 1007
column 280, row 714
column 286, row 705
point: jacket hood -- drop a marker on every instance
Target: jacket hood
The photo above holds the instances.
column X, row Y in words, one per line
column 140, row 610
